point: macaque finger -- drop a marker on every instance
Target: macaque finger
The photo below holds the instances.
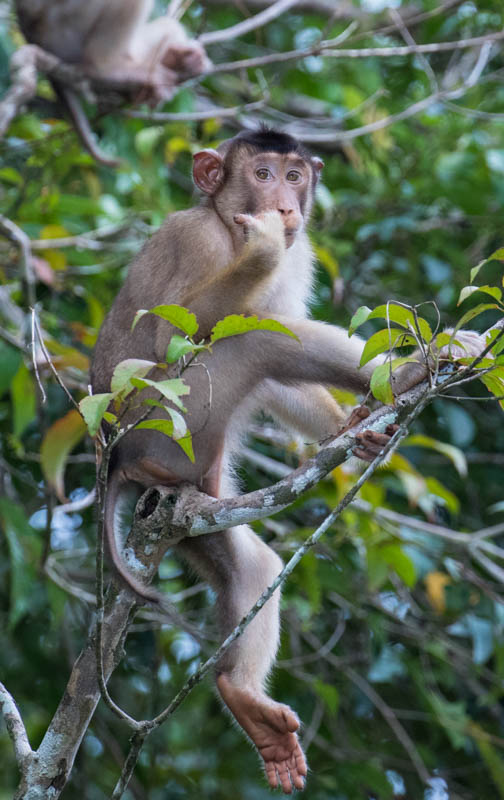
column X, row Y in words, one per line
column 370, row 443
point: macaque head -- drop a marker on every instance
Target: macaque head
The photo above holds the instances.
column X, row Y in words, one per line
column 260, row 171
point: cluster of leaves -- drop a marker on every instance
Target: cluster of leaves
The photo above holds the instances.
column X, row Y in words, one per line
column 406, row 327
column 130, row 376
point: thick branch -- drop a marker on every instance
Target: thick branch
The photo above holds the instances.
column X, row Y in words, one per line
column 24, row 65
column 181, row 512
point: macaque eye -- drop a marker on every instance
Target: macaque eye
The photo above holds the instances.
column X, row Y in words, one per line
column 293, row 176
column 263, row 174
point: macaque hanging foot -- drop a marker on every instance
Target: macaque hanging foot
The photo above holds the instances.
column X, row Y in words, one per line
column 272, row 728
column 369, row 443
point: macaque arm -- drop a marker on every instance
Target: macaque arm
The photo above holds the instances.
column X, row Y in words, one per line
column 309, row 409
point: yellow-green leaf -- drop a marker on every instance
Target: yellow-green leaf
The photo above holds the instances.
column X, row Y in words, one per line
column 236, row 324
column 128, row 369
column 455, row 455
column 384, row 340
column 178, row 316
column 359, row 318
column 57, row 443
column 22, row 390
column 93, row 409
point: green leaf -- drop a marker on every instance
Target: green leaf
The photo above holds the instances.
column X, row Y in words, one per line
column 162, row 425
column 178, row 347
column 329, row 695
column 57, row 443
column 186, row 444
column 10, row 360
column 236, row 324
column 20, row 537
column 380, row 379
column 166, row 426
column 471, row 314
column 126, row 370
column 178, row 316
column 358, row 319
column 384, row 340
column 93, row 410
column 392, row 312
column 172, row 389
column 147, row 138
column 436, row 488
column 497, row 255
column 455, row 455
column 402, row 564
column 23, row 400
column 494, row 291
column 179, row 423
column 494, row 382
column 489, row 754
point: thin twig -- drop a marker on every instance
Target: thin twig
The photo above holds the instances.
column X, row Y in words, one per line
column 324, row 49
column 247, row 25
column 49, row 361
column 15, row 234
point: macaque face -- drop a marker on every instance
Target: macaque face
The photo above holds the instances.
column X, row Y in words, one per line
column 253, row 181
column 278, row 182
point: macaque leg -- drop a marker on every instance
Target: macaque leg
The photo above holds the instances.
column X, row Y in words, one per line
column 239, row 566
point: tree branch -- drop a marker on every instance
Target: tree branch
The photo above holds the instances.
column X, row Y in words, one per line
column 270, row 13
column 326, row 49
column 15, row 729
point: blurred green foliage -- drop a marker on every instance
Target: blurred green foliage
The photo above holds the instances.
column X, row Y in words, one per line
column 413, row 620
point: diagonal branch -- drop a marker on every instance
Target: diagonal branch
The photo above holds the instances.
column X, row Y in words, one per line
column 16, row 729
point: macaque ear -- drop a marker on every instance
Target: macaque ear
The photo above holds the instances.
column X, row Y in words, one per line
column 208, row 170
column 317, row 165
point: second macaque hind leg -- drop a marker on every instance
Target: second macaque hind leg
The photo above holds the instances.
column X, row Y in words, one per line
column 239, row 566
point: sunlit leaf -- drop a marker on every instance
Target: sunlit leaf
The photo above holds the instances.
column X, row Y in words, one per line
column 392, row 312
column 236, row 324
column 384, row 340
column 93, row 408
column 359, row 318
column 57, row 443
column 455, row 455
column 179, row 346
column 178, row 316
column 435, row 584
column 128, row 369
column 494, row 291
column 172, row 389
column 380, row 379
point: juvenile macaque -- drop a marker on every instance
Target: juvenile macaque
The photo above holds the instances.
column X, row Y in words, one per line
column 243, row 249
column 113, row 40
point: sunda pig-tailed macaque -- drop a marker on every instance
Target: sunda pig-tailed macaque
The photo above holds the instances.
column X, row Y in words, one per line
column 113, row 40
column 243, row 249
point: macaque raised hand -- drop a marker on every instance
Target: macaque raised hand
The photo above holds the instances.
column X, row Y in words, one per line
column 243, row 249
column 113, row 40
